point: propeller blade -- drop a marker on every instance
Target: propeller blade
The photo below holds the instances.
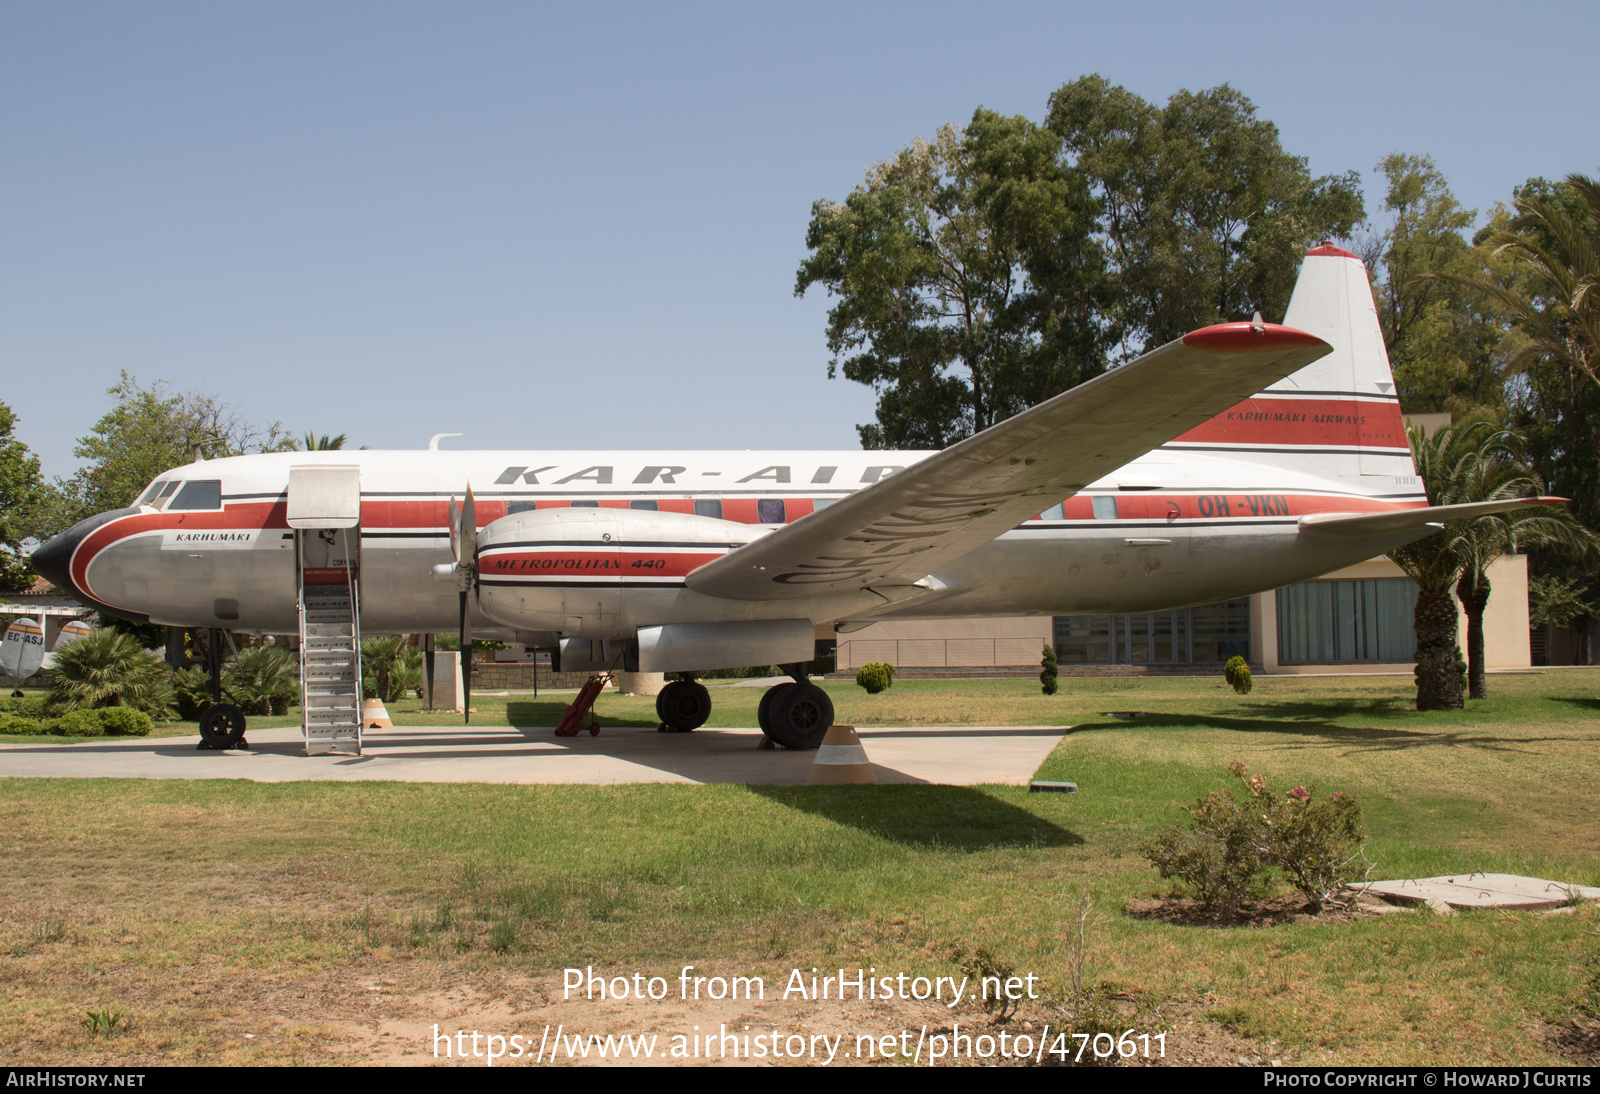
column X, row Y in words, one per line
column 468, row 556
column 455, row 530
column 466, row 660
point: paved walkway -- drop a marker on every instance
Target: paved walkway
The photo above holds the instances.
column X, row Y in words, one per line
column 954, row 755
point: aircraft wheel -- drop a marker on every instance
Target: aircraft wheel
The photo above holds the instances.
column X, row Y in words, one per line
column 764, row 709
column 799, row 716
column 683, row 705
column 222, row 726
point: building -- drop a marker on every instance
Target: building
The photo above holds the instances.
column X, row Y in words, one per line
column 1353, row 620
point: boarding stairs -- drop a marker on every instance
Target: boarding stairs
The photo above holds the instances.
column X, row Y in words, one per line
column 330, row 666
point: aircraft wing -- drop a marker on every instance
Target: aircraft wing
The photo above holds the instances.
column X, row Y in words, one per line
column 904, row 527
column 1402, row 521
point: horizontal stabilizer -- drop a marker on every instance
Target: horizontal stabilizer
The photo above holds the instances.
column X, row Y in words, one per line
column 1399, row 522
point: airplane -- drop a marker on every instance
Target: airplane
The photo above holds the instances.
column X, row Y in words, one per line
column 1241, row 457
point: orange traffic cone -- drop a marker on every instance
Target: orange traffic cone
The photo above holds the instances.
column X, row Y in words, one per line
column 374, row 716
column 841, row 759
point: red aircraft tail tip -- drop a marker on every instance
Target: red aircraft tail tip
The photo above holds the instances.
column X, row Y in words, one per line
column 1250, row 338
column 1328, row 250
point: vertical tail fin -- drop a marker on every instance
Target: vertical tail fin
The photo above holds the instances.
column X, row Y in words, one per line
column 1339, row 417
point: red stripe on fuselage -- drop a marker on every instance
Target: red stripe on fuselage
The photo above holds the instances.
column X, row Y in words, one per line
column 240, row 516
column 619, row 564
column 1312, row 422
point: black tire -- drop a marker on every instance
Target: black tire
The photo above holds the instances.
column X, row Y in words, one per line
column 764, row 709
column 683, row 705
column 222, row 726
column 800, row 716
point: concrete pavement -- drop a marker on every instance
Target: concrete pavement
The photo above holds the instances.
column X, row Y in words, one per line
column 953, row 755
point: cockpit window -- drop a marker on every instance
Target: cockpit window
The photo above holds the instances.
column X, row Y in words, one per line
column 151, row 494
column 199, row 494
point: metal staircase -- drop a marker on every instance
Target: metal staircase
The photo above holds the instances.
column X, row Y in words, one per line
column 330, row 666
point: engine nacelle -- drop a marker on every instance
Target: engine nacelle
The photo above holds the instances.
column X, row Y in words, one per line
column 596, row 573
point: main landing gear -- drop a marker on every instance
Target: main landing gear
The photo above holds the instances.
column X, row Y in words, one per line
column 795, row 715
column 683, row 705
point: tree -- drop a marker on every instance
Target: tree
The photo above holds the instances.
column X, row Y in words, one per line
column 1466, row 462
column 22, row 492
column 149, row 431
column 324, row 443
column 1205, row 216
column 1502, row 473
column 966, row 281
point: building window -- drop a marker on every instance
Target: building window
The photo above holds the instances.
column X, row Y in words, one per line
column 1347, row 621
column 1179, row 636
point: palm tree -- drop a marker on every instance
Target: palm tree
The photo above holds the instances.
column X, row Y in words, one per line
column 324, row 443
column 1450, row 463
column 381, row 656
column 1564, row 255
column 261, row 677
column 106, row 668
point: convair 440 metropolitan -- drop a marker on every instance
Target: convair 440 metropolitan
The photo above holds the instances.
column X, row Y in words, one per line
column 1238, row 458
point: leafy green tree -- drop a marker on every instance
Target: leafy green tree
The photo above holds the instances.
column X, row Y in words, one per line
column 966, row 281
column 22, row 492
column 151, row 430
column 1204, row 214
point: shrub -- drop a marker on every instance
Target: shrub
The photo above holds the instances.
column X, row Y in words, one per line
column 875, row 676
column 107, row 669
column 124, row 722
column 1047, row 678
column 78, row 723
column 29, row 706
column 1237, row 673
column 1232, row 841
column 259, row 676
column 18, row 724
column 379, row 657
column 191, row 692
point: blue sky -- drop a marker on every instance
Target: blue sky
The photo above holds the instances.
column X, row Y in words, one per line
column 577, row 226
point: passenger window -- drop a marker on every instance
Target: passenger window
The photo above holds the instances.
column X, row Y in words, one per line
column 199, row 494
column 586, row 505
column 1105, row 508
column 521, row 507
column 710, row 508
column 643, row 505
column 769, row 511
column 823, row 503
column 1056, row 512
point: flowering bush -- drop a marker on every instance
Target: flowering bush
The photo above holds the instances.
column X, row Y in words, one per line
column 1234, row 839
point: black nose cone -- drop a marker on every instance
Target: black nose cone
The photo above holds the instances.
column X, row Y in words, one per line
column 53, row 562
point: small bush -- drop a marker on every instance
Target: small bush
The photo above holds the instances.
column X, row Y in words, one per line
column 29, row 706
column 1237, row 673
column 79, row 723
column 1047, row 678
column 875, row 676
column 18, row 724
column 1232, row 841
column 124, row 722
column 191, row 692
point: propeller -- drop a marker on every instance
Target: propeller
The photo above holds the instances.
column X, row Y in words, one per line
column 464, row 545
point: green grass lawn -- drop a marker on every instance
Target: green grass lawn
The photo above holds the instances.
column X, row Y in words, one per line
column 139, row 894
